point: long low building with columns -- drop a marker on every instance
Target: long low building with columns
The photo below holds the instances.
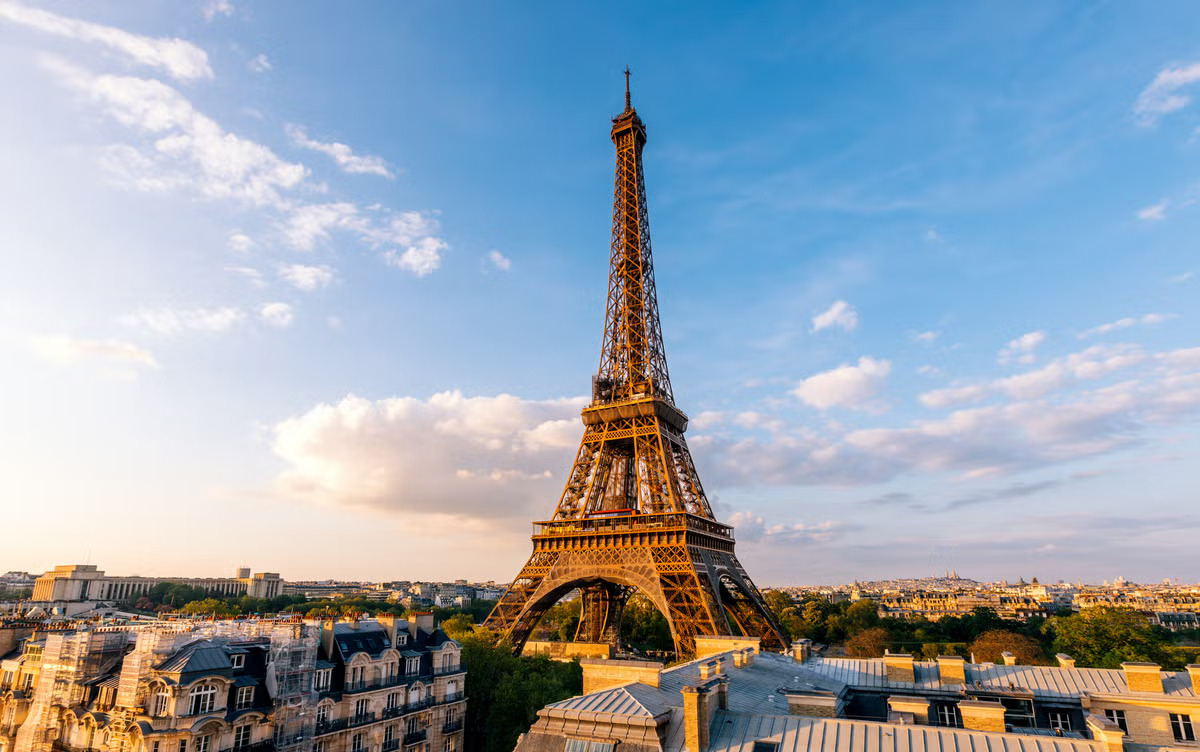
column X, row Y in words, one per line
column 84, row 582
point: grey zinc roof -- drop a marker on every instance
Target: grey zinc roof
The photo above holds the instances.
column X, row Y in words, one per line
column 737, row 733
column 1042, row 681
column 201, row 656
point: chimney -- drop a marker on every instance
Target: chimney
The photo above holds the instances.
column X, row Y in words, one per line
column 952, row 670
column 1143, row 677
column 899, row 667
column 743, row 658
column 709, row 669
column 901, row 708
column 421, row 620
column 600, row 673
column 1009, row 658
column 801, row 650
column 700, row 703
column 1193, row 670
column 1065, row 661
column 982, row 715
column 1106, row 732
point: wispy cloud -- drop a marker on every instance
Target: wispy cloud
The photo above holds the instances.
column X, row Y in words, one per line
column 213, row 8
column 499, row 261
column 1154, row 213
column 306, row 278
column 1127, row 322
column 259, row 63
column 1021, row 349
column 925, row 338
column 167, row 321
column 65, row 350
column 180, row 59
column 1162, row 96
column 342, row 154
column 278, row 315
column 841, row 314
column 421, row 258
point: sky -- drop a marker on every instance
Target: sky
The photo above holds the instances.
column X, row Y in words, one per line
column 320, row 289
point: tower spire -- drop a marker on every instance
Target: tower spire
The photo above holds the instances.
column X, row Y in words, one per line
column 628, row 106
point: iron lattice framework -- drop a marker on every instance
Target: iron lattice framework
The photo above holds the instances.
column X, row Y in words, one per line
column 633, row 515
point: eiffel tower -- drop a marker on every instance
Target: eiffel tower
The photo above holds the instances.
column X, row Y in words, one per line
column 633, row 515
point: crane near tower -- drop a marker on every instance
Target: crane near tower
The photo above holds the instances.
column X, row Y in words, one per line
column 633, row 515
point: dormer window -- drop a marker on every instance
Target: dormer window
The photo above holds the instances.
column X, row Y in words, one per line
column 401, row 639
column 158, row 706
column 412, row 666
column 323, row 680
column 238, row 660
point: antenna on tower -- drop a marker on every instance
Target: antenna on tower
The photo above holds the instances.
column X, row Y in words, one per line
column 627, row 104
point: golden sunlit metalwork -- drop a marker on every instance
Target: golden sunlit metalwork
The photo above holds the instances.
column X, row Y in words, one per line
column 633, row 515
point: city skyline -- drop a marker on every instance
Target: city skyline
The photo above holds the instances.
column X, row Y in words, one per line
column 323, row 293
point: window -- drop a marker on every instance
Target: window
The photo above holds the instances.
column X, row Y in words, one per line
column 948, row 716
column 448, row 744
column 241, row 736
column 401, row 639
column 412, row 666
column 360, row 708
column 202, row 700
column 154, row 745
column 319, row 745
column 393, row 700
column 356, row 743
column 245, row 697
column 324, row 678
column 1181, row 726
column 200, row 743
column 389, row 733
column 447, row 661
column 765, row 746
column 1117, row 717
column 412, row 724
column 1060, row 720
column 183, row 745
column 451, row 715
column 414, row 694
column 158, row 707
column 322, row 714
column 238, row 660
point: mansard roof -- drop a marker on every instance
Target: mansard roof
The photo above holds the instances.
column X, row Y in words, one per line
column 360, row 637
column 203, row 656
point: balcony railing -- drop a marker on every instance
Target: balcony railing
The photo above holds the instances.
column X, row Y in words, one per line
column 266, row 745
column 363, row 686
column 328, row 727
column 449, row 727
column 443, row 670
column 632, row 522
column 391, row 745
column 456, row 697
column 413, row 737
column 362, row 719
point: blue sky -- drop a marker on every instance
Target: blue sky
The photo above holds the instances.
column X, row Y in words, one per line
column 321, row 290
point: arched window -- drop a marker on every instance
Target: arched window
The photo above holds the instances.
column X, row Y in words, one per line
column 158, row 703
column 202, row 700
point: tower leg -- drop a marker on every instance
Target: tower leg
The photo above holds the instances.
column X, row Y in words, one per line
column 600, row 620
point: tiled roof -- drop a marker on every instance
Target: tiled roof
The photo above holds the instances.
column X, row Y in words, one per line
column 198, row 657
column 734, row 732
column 360, row 637
column 1042, row 681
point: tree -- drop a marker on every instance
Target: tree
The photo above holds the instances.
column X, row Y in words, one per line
column 1104, row 637
column 861, row 615
column 869, row 643
column 991, row 644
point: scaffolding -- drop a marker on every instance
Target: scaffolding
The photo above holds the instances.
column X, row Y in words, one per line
column 290, row 671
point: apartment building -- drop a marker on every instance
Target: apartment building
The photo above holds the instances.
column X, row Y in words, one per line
column 84, row 582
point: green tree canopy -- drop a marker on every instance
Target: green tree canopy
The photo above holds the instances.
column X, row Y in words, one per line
column 990, row 646
column 1104, row 637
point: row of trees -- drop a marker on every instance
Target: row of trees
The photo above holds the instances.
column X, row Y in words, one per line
column 1098, row 637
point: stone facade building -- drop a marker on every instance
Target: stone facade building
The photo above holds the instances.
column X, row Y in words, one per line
column 84, row 582
column 232, row 686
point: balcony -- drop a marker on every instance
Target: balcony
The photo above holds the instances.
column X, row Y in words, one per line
column 444, row 670
column 362, row 719
column 413, row 737
column 391, row 745
column 456, row 697
column 449, row 727
column 328, row 727
column 267, row 745
column 363, row 686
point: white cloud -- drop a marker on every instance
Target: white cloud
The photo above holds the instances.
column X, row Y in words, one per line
column 259, row 63
column 840, row 314
column 853, row 387
column 250, row 274
column 1161, row 96
column 213, row 8
column 188, row 150
column 750, row 526
column 925, row 338
column 499, row 260
column 277, row 314
column 306, row 278
column 1154, row 213
column 175, row 321
column 179, row 58
column 342, row 154
column 421, row 258
column 307, row 225
column 240, row 242
column 1179, row 279
column 494, row 457
column 68, row 350
column 1020, row 350
column 1125, row 323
